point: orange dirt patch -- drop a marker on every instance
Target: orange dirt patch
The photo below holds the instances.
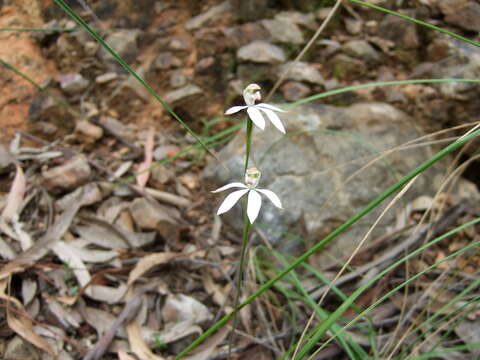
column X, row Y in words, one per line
column 20, row 51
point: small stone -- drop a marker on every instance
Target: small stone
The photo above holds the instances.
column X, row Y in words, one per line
column 346, row 67
column 449, row 7
column 299, row 18
column 17, row 348
column 323, row 12
column 204, row 64
column 353, row 26
column 181, row 44
column 284, row 30
column 124, row 42
column 182, row 93
column 212, row 14
column 73, row 83
column 403, row 33
column 466, row 17
column 87, row 128
column 261, row 52
column 361, row 49
column 105, row 78
column 301, row 71
column 293, row 91
column 75, row 172
column 166, row 61
column 178, row 79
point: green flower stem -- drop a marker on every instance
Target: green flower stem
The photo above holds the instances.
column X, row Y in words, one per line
column 374, row 203
column 248, row 139
column 416, row 21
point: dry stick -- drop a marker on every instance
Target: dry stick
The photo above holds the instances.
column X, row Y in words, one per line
column 306, row 48
column 360, row 244
column 128, row 313
column 452, row 176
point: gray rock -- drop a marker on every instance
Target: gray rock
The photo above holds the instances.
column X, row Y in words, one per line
column 284, row 30
column 105, row 78
column 301, row 71
column 303, row 19
column 212, row 14
column 261, row 52
column 353, row 26
column 166, row 61
column 73, row 83
column 347, row 67
column 124, row 42
column 182, row 93
column 466, row 16
column 294, row 90
column 361, row 49
column 307, row 170
column 178, row 79
column 403, row 33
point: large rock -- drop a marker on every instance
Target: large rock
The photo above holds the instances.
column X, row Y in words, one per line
column 261, row 52
column 326, row 145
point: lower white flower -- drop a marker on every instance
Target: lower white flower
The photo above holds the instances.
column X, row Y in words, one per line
column 252, row 177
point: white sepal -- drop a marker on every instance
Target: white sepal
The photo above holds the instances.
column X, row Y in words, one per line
column 274, row 119
column 231, row 200
column 272, row 197
column 268, row 106
column 254, row 204
column 229, row 186
column 256, row 117
column 234, row 109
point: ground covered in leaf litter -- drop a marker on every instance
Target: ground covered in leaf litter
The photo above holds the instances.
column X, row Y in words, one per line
column 99, row 265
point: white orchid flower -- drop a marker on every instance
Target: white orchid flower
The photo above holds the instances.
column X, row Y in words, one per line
column 252, row 177
column 250, row 95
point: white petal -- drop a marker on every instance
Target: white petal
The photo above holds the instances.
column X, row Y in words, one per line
column 254, row 204
column 231, row 185
column 231, row 200
column 234, row 109
column 272, row 197
column 274, row 119
column 271, row 107
column 256, row 117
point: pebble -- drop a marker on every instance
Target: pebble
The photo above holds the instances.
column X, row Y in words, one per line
column 294, row 90
column 301, row 71
column 75, row 172
column 182, row 93
column 105, row 78
column 73, row 83
column 166, row 61
column 87, row 128
column 261, row 52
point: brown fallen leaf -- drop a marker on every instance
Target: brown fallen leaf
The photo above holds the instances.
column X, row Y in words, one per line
column 137, row 344
column 144, row 173
column 15, row 196
column 148, row 262
column 20, row 322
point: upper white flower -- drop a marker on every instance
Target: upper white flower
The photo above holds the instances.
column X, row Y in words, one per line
column 250, row 95
column 252, row 177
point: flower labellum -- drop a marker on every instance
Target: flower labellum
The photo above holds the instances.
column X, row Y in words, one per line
column 252, row 177
column 251, row 94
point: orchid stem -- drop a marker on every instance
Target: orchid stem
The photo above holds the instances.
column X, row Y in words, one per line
column 246, row 232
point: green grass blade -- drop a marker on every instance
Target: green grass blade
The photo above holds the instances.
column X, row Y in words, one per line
column 324, row 326
column 96, row 36
column 376, row 84
column 374, row 203
column 416, row 21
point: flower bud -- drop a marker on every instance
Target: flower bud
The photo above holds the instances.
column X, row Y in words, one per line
column 252, row 177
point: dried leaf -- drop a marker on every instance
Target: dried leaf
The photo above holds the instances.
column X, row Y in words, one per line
column 122, row 355
column 20, row 322
column 15, row 196
column 142, row 178
column 148, row 262
column 43, row 245
column 180, row 308
column 137, row 344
